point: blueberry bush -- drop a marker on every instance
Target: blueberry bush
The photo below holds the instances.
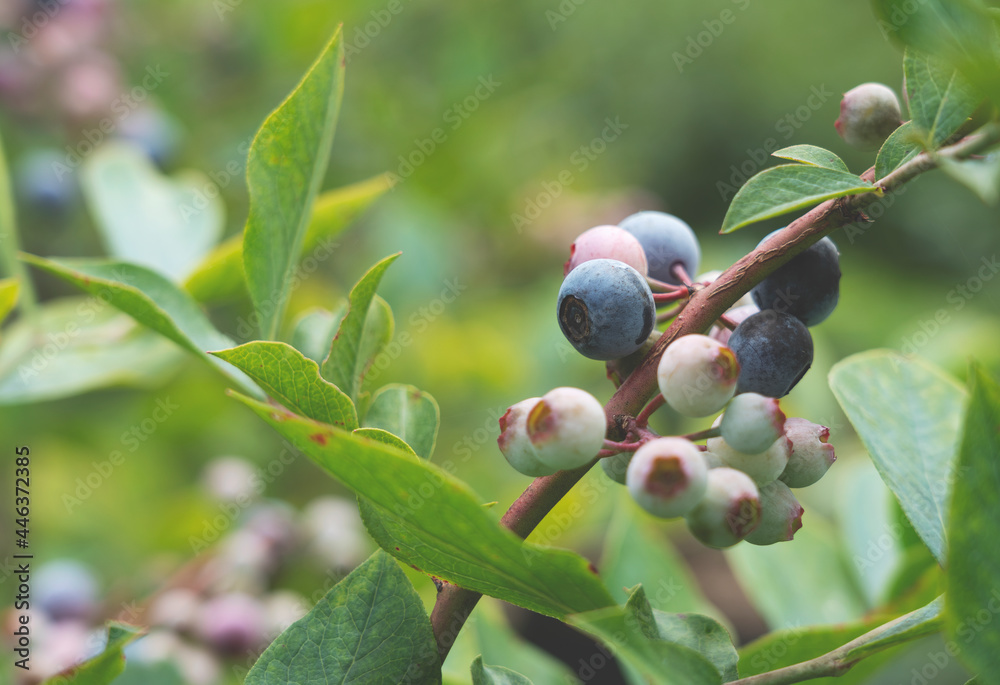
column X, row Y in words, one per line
column 723, row 348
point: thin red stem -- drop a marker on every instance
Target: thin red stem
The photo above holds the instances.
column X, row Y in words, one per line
column 620, row 446
column 702, row 435
column 681, row 274
column 642, row 420
column 664, row 316
column 681, row 294
column 664, row 287
column 728, row 322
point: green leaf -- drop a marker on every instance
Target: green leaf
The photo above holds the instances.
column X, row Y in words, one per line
column 74, row 345
column 9, row 288
column 495, row 675
column 150, row 299
column 220, row 275
column 981, row 176
column 407, row 413
column 801, row 582
column 106, row 666
column 810, row 154
column 294, row 381
column 286, row 165
column 908, row 415
column 165, row 224
column 9, row 239
column 940, row 100
column 900, row 147
column 429, row 519
column 916, row 624
column 702, row 634
column 973, row 565
column 634, row 636
column 386, row 438
column 371, row 627
column 635, row 554
column 351, row 351
column 962, row 33
column 377, row 334
column 787, row 188
column 313, row 331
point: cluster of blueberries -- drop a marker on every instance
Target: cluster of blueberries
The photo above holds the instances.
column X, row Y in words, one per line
column 736, row 486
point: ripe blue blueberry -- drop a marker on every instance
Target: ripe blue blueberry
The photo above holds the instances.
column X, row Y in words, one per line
column 807, row 287
column 667, row 241
column 606, row 309
column 41, row 183
column 65, row 589
column 774, row 350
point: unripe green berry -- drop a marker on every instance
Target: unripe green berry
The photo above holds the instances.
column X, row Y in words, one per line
column 515, row 444
column 763, row 467
column 667, row 477
column 811, row 454
column 728, row 512
column 697, row 375
column 752, row 423
column 781, row 515
column 712, row 459
column 869, row 113
column 616, row 466
column 566, row 427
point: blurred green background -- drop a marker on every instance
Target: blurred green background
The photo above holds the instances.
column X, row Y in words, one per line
column 558, row 72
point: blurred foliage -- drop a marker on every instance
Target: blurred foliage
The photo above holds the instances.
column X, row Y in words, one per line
column 512, row 96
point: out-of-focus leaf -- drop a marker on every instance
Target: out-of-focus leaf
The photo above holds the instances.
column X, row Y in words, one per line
column 802, row 582
column 153, row 301
column 371, row 627
column 9, row 239
column 312, row 333
column 634, row 554
column 940, row 100
column 499, row 644
column 106, row 666
column 634, row 635
column 9, row 288
column 286, row 165
column 973, row 564
column 165, row 224
column 294, row 381
column 909, row 415
column 356, row 341
column 220, row 275
column 981, row 176
column 901, row 146
column 466, row 546
column 810, row 154
column 408, row 413
column 962, row 33
column 787, row 188
column 74, row 345
column 495, row 675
